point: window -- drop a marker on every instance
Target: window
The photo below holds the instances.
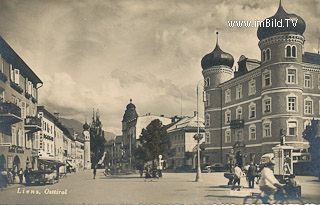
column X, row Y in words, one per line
column 23, row 107
column 292, row 128
column 252, row 110
column 252, row 87
column 263, row 55
column 228, row 95
column 14, row 135
column 207, row 99
column 30, row 87
column 228, row 135
column 2, row 64
column 207, row 82
column 16, row 76
column 291, row 51
column 307, row 80
column 268, row 54
column 267, row 129
column 228, row 116
column 239, row 113
column 266, row 78
column 308, row 106
column 266, row 105
column 292, row 103
column 252, row 132
column 239, row 135
column 239, row 92
column 207, row 120
column 291, row 76
column 207, row 141
column 318, row 81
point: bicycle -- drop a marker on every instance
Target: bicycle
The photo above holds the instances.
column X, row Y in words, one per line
column 282, row 196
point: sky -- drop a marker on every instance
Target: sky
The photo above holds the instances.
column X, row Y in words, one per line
column 99, row 54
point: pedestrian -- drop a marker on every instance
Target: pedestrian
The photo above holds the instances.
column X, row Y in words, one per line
column 252, row 172
column 20, row 174
column 4, row 178
column 26, row 176
column 10, row 177
column 13, row 175
column 94, row 172
column 237, row 176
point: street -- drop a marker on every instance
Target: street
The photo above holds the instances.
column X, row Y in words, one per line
column 173, row 188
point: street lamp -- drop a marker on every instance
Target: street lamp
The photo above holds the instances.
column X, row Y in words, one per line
column 198, row 137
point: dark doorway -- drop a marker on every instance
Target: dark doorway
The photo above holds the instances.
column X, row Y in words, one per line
column 239, row 159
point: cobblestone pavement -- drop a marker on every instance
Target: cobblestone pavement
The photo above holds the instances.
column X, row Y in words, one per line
column 173, row 188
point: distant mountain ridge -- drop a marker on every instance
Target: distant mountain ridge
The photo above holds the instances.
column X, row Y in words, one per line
column 77, row 127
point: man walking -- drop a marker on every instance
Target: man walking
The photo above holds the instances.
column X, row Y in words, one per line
column 20, row 174
column 252, row 172
column 94, row 172
column 237, row 176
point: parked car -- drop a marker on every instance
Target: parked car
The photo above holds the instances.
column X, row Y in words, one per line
column 216, row 167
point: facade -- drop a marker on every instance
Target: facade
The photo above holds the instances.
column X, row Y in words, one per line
column 248, row 111
column 132, row 126
column 47, row 134
column 18, row 111
column 79, row 159
column 183, row 145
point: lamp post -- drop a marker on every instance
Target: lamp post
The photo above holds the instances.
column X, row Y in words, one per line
column 198, row 137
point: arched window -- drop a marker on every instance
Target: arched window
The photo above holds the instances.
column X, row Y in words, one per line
column 294, row 51
column 207, row 82
column 268, row 54
column 288, row 51
column 263, row 55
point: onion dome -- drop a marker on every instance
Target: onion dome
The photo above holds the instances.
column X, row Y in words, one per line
column 290, row 23
column 130, row 112
column 217, row 57
column 86, row 126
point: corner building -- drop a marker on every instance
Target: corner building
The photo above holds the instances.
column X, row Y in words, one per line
column 248, row 110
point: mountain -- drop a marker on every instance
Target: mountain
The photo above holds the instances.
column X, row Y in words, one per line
column 77, row 126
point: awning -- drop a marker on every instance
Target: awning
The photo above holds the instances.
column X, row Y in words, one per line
column 51, row 162
column 71, row 164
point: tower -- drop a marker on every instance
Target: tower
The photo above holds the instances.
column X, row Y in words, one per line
column 87, row 157
column 217, row 69
column 282, row 75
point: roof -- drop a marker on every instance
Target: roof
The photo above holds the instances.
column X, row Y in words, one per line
column 11, row 57
column 312, row 58
column 187, row 122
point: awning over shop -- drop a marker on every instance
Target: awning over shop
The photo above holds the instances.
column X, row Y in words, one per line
column 51, row 162
column 71, row 164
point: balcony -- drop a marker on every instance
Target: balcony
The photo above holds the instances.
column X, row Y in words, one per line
column 3, row 77
column 32, row 124
column 9, row 113
column 16, row 87
column 236, row 124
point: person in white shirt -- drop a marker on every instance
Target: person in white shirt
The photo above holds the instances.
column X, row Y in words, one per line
column 268, row 182
column 237, row 176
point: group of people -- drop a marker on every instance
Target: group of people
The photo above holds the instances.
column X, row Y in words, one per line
column 9, row 176
column 265, row 177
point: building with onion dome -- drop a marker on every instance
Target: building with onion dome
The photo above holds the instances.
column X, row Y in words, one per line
column 87, row 157
column 247, row 110
column 132, row 125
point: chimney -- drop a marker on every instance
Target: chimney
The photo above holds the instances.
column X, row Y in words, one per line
column 57, row 115
column 195, row 113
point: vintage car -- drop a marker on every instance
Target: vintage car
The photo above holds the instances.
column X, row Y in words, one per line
column 43, row 176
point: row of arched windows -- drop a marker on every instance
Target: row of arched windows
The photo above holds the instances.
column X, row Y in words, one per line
column 290, row 52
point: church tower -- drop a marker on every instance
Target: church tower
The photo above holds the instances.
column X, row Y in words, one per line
column 87, row 158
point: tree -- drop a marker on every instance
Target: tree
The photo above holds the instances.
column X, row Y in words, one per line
column 154, row 141
column 97, row 141
column 311, row 134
